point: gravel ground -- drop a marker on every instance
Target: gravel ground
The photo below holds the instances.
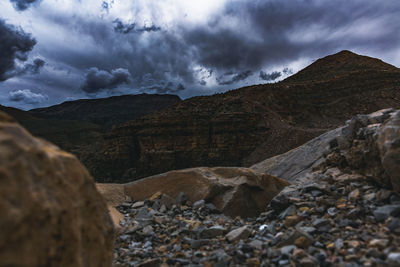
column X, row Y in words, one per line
column 340, row 220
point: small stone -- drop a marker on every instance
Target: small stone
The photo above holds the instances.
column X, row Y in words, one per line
column 394, row 225
column 283, row 262
column 213, row 232
column 354, row 195
column 196, row 244
column 316, row 193
column 240, row 233
column 369, row 197
column 378, row 243
column 162, row 249
column 148, row 230
column 330, row 246
column 309, row 230
column 353, row 243
column 143, row 214
column 383, row 195
column 155, row 196
column 291, row 210
column 211, row 208
column 256, row 244
column 181, row 199
column 291, row 220
column 308, row 262
column 304, row 209
column 263, row 227
column 138, row 204
column 299, row 254
column 394, row 258
column 167, row 201
column 199, row 204
column 321, row 224
column 253, row 262
column 339, row 243
column 383, row 212
column 332, row 211
column 302, row 242
column 287, row 250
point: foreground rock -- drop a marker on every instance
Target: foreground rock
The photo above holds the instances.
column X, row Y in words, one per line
column 51, row 212
column 233, row 191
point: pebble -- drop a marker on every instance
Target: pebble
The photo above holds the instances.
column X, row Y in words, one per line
column 237, row 234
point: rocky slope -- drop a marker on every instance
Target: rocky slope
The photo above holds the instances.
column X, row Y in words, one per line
column 51, row 213
column 107, row 112
column 245, row 126
column 342, row 209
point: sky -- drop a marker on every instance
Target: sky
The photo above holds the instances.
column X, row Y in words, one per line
column 53, row 51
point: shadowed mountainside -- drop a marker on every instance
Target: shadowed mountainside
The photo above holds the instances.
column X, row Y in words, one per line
column 245, row 126
column 79, row 126
column 107, row 111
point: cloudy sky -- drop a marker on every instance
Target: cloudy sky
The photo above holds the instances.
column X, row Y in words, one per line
column 57, row 50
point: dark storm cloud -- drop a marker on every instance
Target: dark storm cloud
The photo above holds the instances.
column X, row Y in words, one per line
column 230, row 78
column 120, row 27
column 287, row 71
column 275, row 74
column 276, row 32
column 15, row 45
column 21, row 5
column 244, row 35
column 98, row 80
column 27, row 96
column 270, row 76
column 32, row 68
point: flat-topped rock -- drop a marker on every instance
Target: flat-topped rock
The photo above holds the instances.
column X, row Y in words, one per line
column 233, row 191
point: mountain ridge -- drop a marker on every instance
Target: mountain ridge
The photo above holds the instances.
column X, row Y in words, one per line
column 107, row 111
column 250, row 124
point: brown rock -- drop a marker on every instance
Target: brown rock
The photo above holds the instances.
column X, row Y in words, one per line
column 302, row 242
column 234, row 191
column 51, row 212
column 114, row 196
column 291, row 220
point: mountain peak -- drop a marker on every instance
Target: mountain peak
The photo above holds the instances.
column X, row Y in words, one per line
column 342, row 63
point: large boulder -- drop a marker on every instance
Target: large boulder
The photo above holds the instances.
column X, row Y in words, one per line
column 50, row 211
column 389, row 148
column 295, row 164
column 234, row 191
column 367, row 145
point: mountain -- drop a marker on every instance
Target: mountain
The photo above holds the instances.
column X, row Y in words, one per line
column 245, row 126
column 107, row 112
column 79, row 126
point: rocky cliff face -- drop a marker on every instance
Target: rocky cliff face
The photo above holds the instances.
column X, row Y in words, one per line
column 79, row 126
column 244, row 126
